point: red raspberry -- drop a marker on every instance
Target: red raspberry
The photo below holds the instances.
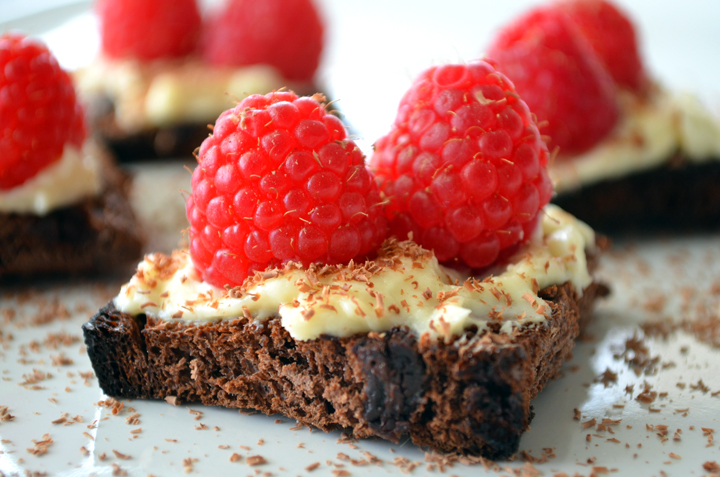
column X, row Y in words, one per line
column 612, row 36
column 278, row 180
column 559, row 76
column 39, row 113
column 286, row 34
column 464, row 165
column 148, row 29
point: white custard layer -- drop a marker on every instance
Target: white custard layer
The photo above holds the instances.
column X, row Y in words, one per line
column 649, row 133
column 169, row 92
column 77, row 175
column 403, row 286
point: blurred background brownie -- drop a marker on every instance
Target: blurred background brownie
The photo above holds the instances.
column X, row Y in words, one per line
column 629, row 154
column 63, row 203
column 164, row 72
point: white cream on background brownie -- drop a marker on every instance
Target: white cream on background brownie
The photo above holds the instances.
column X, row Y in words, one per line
column 169, row 92
column 404, row 287
column 75, row 176
column 650, row 132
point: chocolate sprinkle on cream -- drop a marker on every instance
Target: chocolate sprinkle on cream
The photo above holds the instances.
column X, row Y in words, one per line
column 343, row 300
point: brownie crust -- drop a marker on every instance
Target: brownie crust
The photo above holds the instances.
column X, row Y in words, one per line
column 470, row 395
column 678, row 195
column 95, row 235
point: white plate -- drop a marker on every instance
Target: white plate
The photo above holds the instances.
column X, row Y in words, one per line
column 169, row 435
column 372, row 56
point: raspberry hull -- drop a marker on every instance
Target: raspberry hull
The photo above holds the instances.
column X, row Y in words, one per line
column 278, row 180
column 464, row 165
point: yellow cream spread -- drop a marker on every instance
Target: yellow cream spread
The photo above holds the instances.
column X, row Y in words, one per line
column 169, row 92
column 650, row 132
column 75, row 176
column 404, row 285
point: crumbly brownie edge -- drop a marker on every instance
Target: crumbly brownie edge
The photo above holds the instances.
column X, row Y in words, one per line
column 680, row 194
column 96, row 235
column 117, row 352
column 471, row 395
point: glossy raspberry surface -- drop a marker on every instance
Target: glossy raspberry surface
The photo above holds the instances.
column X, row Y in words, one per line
column 559, row 76
column 278, row 180
column 464, row 165
column 148, row 29
column 286, row 34
column 39, row 113
column 612, row 36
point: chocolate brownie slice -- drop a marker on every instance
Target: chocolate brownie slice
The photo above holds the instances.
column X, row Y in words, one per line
column 470, row 395
column 95, row 235
column 678, row 195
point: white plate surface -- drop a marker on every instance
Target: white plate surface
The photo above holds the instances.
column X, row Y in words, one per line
column 642, row 290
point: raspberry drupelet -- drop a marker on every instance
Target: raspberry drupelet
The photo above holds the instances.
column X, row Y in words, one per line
column 279, row 181
column 464, row 165
column 39, row 112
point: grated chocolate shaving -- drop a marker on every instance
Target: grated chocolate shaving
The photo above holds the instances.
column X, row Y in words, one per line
column 5, row 415
column 590, row 423
column 120, row 455
column 41, row 446
column 133, row 419
column 256, row 460
column 606, row 377
column 117, row 470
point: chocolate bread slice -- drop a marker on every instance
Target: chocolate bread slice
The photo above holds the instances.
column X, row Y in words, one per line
column 95, row 235
column 469, row 395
